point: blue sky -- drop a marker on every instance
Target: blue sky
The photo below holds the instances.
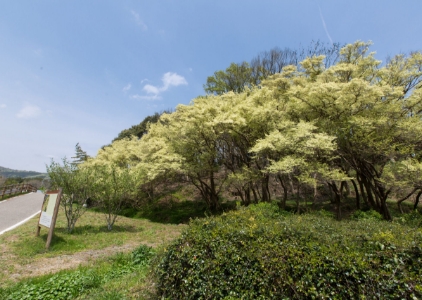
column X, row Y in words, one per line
column 83, row 70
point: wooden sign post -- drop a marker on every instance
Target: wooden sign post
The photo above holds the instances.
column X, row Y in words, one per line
column 49, row 211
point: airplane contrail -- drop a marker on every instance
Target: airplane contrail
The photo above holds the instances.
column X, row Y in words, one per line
column 323, row 24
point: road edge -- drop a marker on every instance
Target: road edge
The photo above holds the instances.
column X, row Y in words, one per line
column 20, row 223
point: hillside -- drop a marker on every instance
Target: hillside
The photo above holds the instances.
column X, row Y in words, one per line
column 6, row 172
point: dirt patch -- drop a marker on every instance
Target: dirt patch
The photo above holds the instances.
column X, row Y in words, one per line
column 49, row 265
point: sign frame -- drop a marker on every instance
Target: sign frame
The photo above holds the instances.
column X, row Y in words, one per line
column 47, row 220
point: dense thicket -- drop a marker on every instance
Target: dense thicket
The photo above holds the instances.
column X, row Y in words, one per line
column 350, row 125
column 258, row 253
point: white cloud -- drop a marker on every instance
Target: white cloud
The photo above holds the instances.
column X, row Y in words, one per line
column 172, row 79
column 3, row 105
column 169, row 79
column 148, row 98
column 127, row 87
column 150, row 89
column 29, row 111
column 139, row 21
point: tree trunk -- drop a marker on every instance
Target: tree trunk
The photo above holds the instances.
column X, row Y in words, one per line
column 315, row 191
column 337, row 196
column 264, row 189
column 356, row 194
column 383, row 195
column 214, row 199
column 417, row 200
column 240, row 193
column 405, row 198
column 362, row 192
column 370, row 196
column 298, row 198
column 284, row 200
column 248, row 195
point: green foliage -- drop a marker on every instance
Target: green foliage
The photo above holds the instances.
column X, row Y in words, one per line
column 111, row 186
column 13, row 180
column 414, row 218
column 75, row 184
column 256, row 253
column 59, row 286
column 234, row 79
column 140, row 129
column 6, row 172
column 80, row 155
column 142, row 255
column 74, row 283
column 370, row 214
column 240, row 75
column 322, row 121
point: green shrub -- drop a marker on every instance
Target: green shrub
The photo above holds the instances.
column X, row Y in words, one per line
column 413, row 218
column 370, row 214
column 142, row 255
column 256, row 253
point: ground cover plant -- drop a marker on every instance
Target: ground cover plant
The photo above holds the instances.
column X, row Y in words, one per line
column 23, row 255
column 260, row 253
column 77, row 283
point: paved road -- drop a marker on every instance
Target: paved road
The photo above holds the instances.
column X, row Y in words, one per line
column 18, row 209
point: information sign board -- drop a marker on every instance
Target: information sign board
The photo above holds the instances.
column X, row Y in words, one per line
column 49, row 211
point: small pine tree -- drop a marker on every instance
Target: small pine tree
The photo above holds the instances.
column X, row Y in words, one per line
column 80, row 155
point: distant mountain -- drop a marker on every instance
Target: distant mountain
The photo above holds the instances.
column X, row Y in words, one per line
column 6, row 172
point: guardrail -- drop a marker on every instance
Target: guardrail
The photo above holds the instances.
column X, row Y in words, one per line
column 10, row 190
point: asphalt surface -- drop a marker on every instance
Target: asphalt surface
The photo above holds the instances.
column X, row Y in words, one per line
column 17, row 209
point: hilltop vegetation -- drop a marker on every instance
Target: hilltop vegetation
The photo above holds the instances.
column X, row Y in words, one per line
column 343, row 134
column 6, row 172
column 10, row 176
column 315, row 129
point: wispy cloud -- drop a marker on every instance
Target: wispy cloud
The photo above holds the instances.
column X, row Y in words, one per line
column 143, row 97
column 150, row 89
column 3, row 105
column 138, row 20
column 172, row 79
column 29, row 111
column 127, row 87
column 169, row 79
column 324, row 25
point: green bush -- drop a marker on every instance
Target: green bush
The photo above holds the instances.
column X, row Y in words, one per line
column 142, row 255
column 370, row 214
column 256, row 253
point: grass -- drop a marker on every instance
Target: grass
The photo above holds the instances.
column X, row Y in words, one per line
column 23, row 255
column 117, row 277
column 92, row 248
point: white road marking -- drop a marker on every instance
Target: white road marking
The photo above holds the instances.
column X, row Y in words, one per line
column 20, row 223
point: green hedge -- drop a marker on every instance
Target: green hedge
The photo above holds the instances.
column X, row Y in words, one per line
column 257, row 253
